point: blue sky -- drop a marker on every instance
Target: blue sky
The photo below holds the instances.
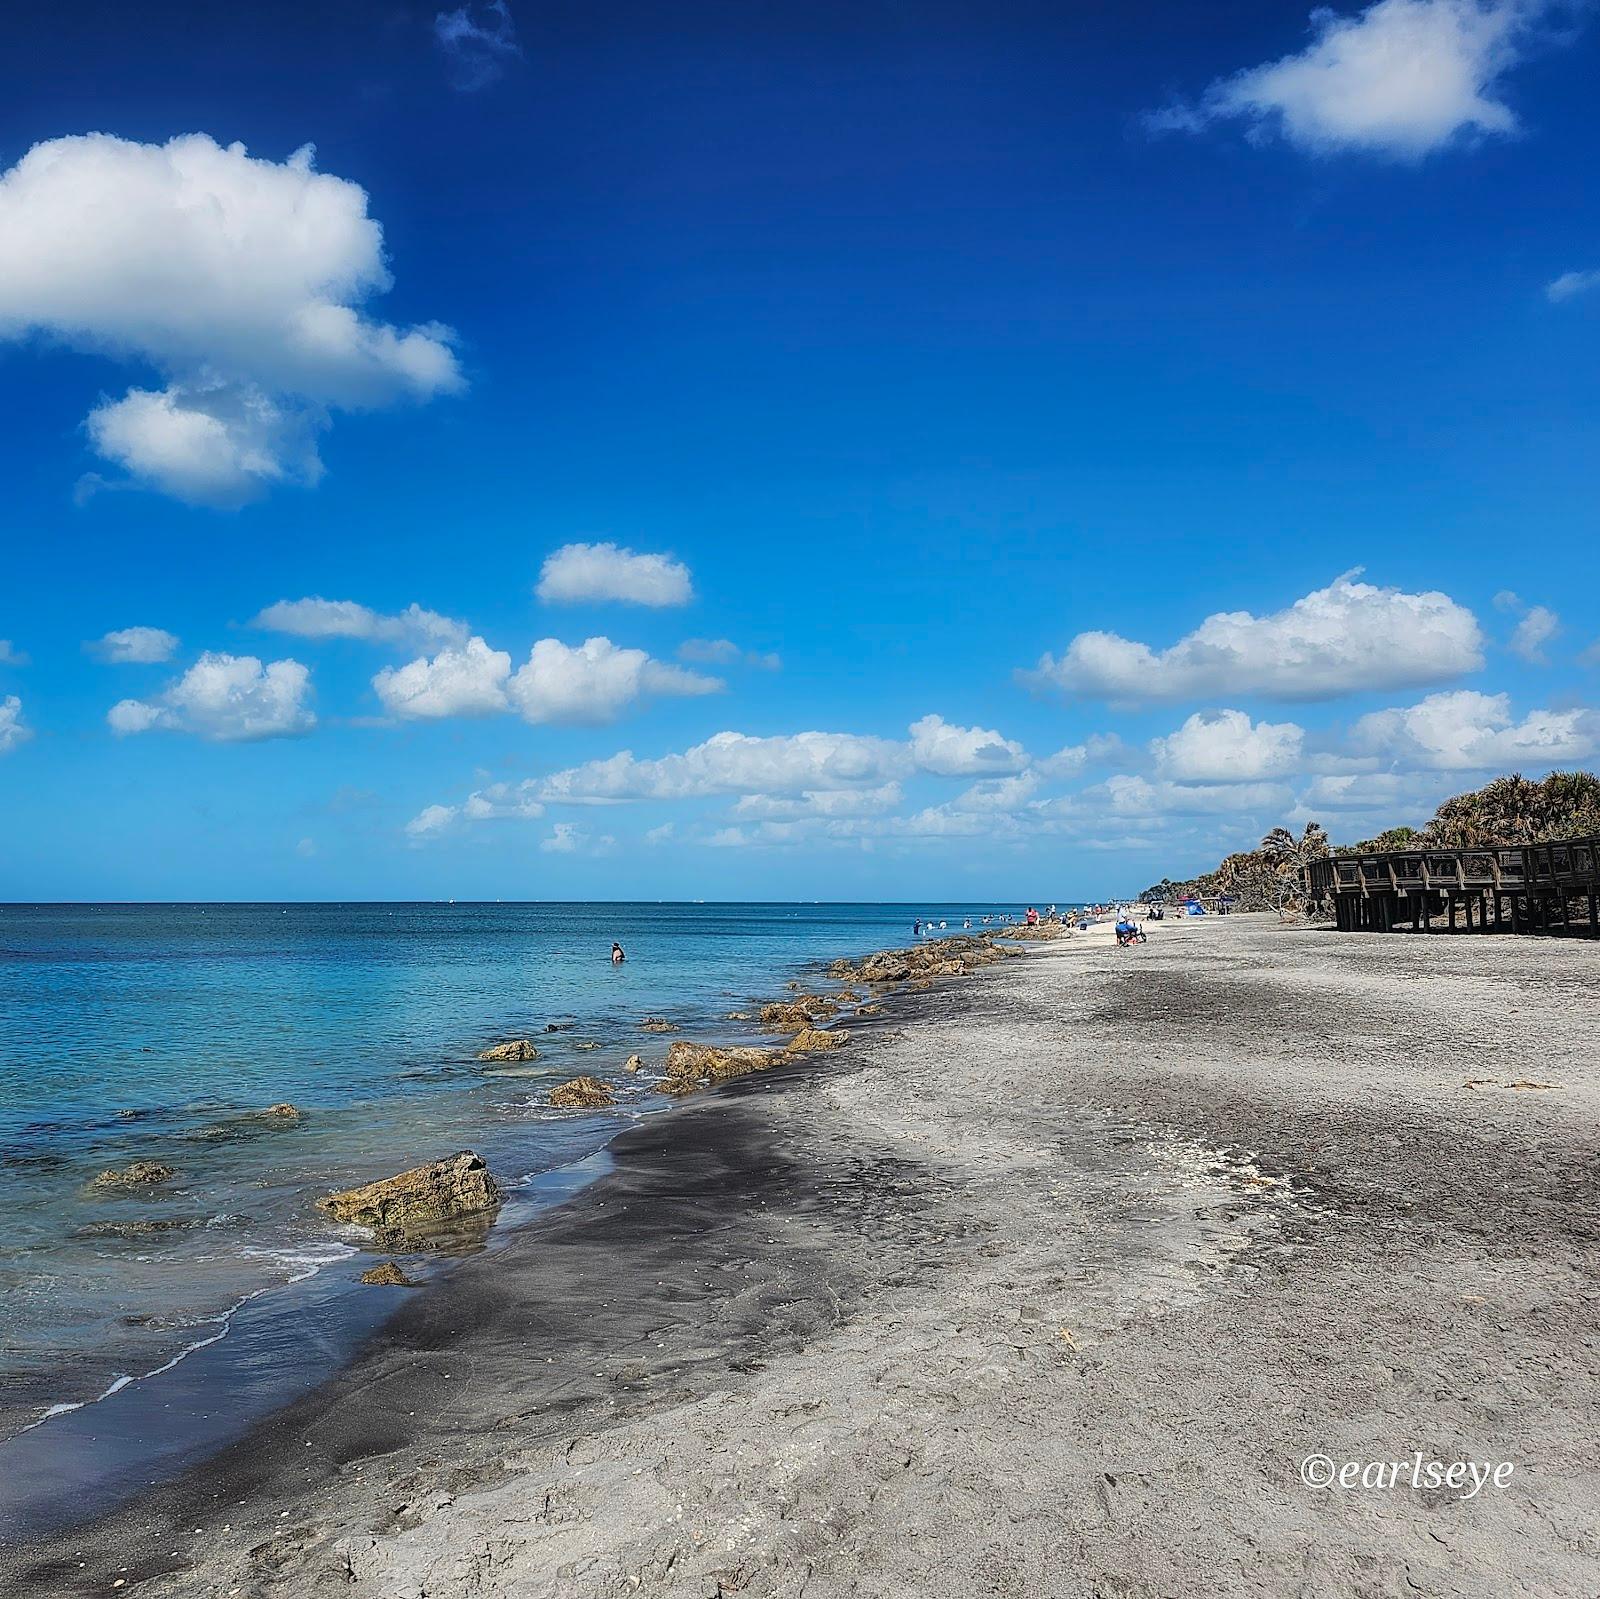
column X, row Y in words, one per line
column 897, row 355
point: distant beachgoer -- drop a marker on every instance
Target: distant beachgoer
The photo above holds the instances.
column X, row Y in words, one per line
column 916, row 929
column 1032, row 917
column 617, row 957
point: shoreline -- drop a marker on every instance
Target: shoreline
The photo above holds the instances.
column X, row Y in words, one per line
column 164, row 1039
column 1054, row 1272
column 88, row 1458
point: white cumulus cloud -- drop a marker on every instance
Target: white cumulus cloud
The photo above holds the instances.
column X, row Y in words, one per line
column 1342, row 639
column 135, row 646
column 943, row 748
column 1227, row 747
column 806, row 766
column 607, row 572
column 319, row 618
column 13, row 730
column 588, row 683
column 1467, row 731
column 829, row 802
column 737, row 763
column 1128, row 795
column 240, row 280
column 594, row 681
column 1401, row 78
column 469, row 681
column 225, row 698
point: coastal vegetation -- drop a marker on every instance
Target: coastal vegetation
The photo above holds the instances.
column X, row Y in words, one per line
column 1510, row 810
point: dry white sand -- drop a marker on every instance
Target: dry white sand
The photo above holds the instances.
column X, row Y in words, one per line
column 1046, row 1289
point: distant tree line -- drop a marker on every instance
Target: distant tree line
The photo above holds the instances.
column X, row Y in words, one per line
column 1510, row 810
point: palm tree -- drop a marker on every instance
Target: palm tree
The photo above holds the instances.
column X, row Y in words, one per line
column 1288, row 853
column 1516, row 810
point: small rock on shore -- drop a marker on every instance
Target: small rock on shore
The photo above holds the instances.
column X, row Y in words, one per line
column 419, row 1200
column 582, row 1093
column 388, row 1275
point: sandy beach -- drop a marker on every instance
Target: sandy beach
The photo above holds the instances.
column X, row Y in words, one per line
column 1046, row 1285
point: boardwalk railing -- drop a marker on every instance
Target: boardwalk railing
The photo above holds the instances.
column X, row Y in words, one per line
column 1544, row 888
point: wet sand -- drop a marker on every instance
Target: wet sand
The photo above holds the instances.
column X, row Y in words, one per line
column 1043, row 1287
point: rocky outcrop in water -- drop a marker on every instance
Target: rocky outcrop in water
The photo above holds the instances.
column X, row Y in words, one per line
column 942, row 957
column 582, row 1093
column 634, row 1063
column 282, row 1117
column 794, row 1016
column 420, row 1201
column 690, row 1066
column 144, row 1227
column 658, row 1024
column 140, row 1174
column 512, row 1049
column 388, row 1275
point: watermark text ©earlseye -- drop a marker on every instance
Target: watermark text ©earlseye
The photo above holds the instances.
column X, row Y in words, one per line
column 1469, row 1476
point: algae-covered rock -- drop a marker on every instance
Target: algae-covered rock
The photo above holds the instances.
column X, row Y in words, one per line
column 658, row 1024
column 388, row 1275
column 689, row 1065
column 634, row 1063
column 282, row 1117
column 791, row 1016
column 512, row 1049
column 818, row 1038
column 140, row 1174
column 420, row 1200
column 887, row 967
column 582, row 1093
column 144, row 1227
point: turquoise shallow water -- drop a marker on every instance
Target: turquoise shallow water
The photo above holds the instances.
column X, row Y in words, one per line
column 160, row 1032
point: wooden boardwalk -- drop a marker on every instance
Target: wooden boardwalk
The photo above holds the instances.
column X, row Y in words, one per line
column 1533, row 888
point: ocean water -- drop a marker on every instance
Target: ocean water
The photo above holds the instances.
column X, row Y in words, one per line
column 163, row 1032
